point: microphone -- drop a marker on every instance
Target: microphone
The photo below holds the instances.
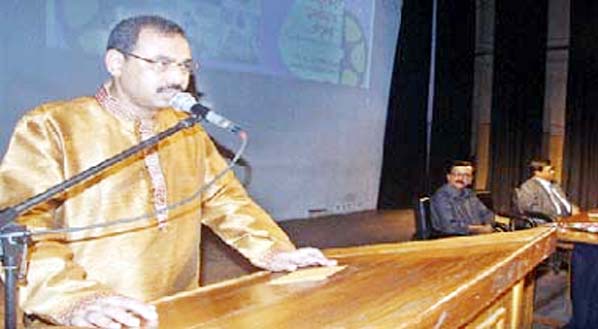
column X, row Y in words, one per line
column 187, row 103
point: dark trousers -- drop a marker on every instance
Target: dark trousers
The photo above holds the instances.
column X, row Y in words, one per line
column 584, row 287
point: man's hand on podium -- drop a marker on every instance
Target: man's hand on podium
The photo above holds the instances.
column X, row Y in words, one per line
column 481, row 229
column 115, row 312
column 292, row 260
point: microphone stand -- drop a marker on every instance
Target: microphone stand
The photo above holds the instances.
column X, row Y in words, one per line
column 14, row 237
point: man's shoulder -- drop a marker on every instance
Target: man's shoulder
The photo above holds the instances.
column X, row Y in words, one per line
column 530, row 183
column 444, row 191
column 85, row 105
column 440, row 189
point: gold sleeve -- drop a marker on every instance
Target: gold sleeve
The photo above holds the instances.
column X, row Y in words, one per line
column 54, row 283
column 234, row 216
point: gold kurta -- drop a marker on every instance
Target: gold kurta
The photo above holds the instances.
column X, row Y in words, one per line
column 140, row 260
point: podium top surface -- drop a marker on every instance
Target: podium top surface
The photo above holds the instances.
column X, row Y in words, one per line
column 439, row 283
column 579, row 228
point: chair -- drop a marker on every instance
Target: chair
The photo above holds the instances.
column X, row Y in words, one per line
column 515, row 220
column 528, row 218
column 423, row 219
column 485, row 197
column 561, row 257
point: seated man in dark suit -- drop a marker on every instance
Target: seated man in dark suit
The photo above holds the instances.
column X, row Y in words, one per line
column 541, row 194
column 455, row 208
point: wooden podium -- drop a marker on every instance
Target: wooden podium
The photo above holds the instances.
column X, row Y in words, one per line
column 475, row 282
column 566, row 234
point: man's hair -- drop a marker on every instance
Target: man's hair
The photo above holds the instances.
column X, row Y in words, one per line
column 124, row 35
column 458, row 163
column 538, row 165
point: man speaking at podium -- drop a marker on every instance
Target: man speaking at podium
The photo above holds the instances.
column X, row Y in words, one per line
column 105, row 277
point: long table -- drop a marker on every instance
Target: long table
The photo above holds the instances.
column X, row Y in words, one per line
column 568, row 234
column 475, row 282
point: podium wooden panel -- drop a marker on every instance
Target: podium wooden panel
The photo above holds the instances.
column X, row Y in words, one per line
column 475, row 282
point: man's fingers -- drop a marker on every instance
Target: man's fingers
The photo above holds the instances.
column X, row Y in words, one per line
column 314, row 256
column 145, row 311
column 280, row 263
column 98, row 319
column 150, row 325
column 120, row 315
column 116, row 312
column 79, row 321
column 327, row 262
column 290, row 261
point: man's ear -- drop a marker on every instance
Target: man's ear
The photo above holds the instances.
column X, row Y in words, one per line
column 114, row 61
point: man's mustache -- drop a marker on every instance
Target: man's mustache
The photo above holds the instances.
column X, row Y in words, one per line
column 170, row 88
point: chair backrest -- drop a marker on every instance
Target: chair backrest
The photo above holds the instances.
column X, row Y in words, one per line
column 486, row 198
column 533, row 218
column 515, row 208
column 423, row 218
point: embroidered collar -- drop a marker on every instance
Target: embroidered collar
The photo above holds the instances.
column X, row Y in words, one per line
column 113, row 105
column 144, row 127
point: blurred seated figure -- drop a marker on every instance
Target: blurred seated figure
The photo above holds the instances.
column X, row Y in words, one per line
column 540, row 196
column 455, row 208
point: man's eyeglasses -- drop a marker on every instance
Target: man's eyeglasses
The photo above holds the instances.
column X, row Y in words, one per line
column 464, row 175
column 163, row 65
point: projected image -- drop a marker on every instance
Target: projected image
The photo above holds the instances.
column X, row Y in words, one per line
column 325, row 41
column 318, row 40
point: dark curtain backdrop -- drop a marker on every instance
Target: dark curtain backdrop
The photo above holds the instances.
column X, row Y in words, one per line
column 403, row 170
column 451, row 125
column 518, row 94
column 580, row 170
column 405, row 137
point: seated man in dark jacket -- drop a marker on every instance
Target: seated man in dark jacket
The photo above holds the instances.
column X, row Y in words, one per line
column 456, row 210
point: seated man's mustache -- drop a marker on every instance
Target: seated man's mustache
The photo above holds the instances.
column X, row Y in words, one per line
column 170, row 88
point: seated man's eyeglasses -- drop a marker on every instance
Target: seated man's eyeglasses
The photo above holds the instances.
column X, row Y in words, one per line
column 460, row 174
column 163, row 65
